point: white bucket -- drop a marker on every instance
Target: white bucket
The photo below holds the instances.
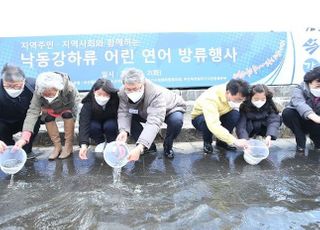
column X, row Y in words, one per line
column 256, row 152
column 116, row 154
column 12, row 161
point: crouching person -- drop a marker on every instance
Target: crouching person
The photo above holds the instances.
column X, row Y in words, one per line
column 259, row 115
column 302, row 115
column 98, row 116
column 143, row 101
column 16, row 92
column 216, row 112
column 55, row 96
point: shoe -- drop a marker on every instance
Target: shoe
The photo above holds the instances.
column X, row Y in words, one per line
column 32, row 155
column 207, row 148
column 100, row 147
column 152, row 149
column 168, row 152
column 54, row 135
column 68, row 137
column 317, row 148
column 225, row 146
column 300, row 149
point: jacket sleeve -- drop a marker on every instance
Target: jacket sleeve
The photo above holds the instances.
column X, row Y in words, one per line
column 273, row 123
column 84, row 124
column 156, row 113
column 32, row 113
column 124, row 117
column 212, row 118
column 241, row 128
column 298, row 101
column 76, row 98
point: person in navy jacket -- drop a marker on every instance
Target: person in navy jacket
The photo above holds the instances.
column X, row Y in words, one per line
column 98, row 116
column 16, row 92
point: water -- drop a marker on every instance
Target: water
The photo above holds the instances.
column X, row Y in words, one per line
column 116, row 173
column 191, row 192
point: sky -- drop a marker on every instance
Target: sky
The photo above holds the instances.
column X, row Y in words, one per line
column 67, row 17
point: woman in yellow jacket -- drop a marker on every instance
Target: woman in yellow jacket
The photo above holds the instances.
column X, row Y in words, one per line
column 216, row 112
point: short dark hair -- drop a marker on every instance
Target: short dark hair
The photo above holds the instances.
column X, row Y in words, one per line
column 235, row 86
column 7, row 71
column 312, row 75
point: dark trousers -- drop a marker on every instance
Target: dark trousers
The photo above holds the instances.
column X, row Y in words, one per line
column 101, row 131
column 7, row 130
column 300, row 127
column 174, row 123
column 228, row 120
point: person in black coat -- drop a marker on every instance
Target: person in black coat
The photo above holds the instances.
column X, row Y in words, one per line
column 16, row 92
column 259, row 115
column 98, row 116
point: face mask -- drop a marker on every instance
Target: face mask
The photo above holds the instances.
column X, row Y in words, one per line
column 135, row 96
column 315, row 92
column 14, row 92
column 51, row 99
column 234, row 105
column 259, row 103
column 101, row 100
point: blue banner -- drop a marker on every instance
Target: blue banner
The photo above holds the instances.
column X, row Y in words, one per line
column 173, row 60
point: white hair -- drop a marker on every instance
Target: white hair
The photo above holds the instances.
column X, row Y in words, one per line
column 132, row 75
column 48, row 80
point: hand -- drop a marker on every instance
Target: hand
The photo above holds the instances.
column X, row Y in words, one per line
column 19, row 144
column 135, row 153
column 268, row 141
column 122, row 136
column 3, row 146
column 314, row 117
column 83, row 152
column 241, row 143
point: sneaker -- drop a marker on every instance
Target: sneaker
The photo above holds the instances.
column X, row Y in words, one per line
column 225, row 146
column 299, row 149
column 152, row 149
column 32, row 155
column 207, row 148
column 169, row 153
column 100, row 147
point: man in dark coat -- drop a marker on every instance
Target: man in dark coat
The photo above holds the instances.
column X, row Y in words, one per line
column 16, row 92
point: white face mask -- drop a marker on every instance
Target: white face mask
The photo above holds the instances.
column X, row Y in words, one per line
column 234, row 105
column 14, row 92
column 101, row 100
column 258, row 103
column 135, row 96
column 315, row 92
column 51, row 99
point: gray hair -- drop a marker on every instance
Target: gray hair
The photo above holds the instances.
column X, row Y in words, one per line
column 132, row 75
column 48, row 80
column 12, row 73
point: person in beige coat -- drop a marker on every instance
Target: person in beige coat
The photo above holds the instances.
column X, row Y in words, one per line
column 141, row 101
column 55, row 96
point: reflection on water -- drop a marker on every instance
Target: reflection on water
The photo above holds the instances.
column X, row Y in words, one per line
column 219, row 191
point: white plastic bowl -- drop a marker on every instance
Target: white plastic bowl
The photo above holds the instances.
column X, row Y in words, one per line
column 256, row 152
column 116, row 154
column 12, row 162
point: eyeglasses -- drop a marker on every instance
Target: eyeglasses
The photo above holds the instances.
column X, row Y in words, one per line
column 17, row 85
column 132, row 90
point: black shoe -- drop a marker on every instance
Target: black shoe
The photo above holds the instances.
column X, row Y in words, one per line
column 169, row 153
column 207, row 148
column 152, row 149
column 32, row 155
column 225, row 146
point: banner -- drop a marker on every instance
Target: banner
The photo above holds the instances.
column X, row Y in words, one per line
column 173, row 60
